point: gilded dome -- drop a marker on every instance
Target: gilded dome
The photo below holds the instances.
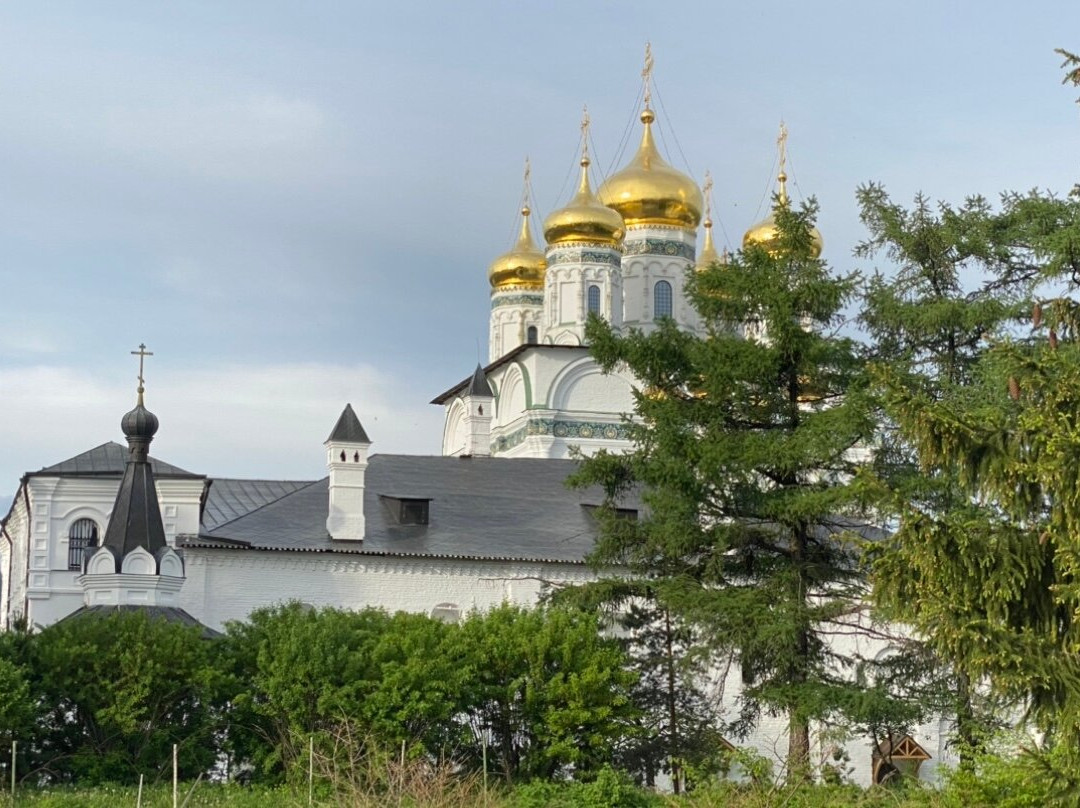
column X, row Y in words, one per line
column 523, row 266
column 585, row 218
column 649, row 191
column 764, row 233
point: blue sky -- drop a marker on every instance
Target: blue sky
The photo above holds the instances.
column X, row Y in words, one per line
column 294, row 204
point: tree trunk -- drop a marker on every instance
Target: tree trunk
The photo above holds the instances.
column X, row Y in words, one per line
column 673, row 715
column 798, row 756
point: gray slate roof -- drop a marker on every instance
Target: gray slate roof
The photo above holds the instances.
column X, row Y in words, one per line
column 169, row 614
column 348, row 428
column 107, row 459
column 227, row 499
column 481, row 508
column 479, row 385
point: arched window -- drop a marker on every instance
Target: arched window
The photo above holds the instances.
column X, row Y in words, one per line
column 594, row 300
column 82, row 534
column 531, row 335
column 447, row 612
column 661, row 300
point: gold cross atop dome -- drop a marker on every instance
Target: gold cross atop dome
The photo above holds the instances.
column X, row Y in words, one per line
column 585, row 132
column 781, row 147
column 706, row 189
column 142, row 353
column 646, row 74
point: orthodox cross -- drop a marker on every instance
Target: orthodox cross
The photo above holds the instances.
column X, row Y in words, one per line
column 707, row 189
column 646, row 74
column 585, row 132
column 781, row 145
column 526, row 189
column 142, row 353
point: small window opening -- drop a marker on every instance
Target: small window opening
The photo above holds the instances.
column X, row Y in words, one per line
column 342, row 455
column 594, row 300
column 531, row 335
column 82, row 535
column 662, row 303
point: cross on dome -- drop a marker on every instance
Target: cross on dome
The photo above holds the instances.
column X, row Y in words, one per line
column 142, row 353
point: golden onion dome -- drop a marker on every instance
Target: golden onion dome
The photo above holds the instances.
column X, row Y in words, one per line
column 649, row 191
column 764, row 232
column 524, row 265
column 585, row 218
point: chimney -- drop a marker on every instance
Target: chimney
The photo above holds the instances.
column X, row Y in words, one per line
column 346, row 459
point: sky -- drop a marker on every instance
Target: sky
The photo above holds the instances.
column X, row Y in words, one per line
column 294, row 204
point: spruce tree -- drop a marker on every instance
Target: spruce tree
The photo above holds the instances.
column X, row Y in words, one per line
column 994, row 579
column 929, row 321
column 745, row 449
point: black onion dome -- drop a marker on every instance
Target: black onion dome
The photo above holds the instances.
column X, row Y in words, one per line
column 139, row 423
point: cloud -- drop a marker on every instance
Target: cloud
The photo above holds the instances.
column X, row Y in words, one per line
column 265, row 421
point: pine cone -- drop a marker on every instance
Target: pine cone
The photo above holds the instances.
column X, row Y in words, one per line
column 1036, row 315
column 1044, row 538
column 1014, row 388
column 1053, row 339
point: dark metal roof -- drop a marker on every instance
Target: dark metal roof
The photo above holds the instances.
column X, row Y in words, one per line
column 107, row 459
column 479, row 385
column 230, row 499
column 482, row 508
column 506, row 358
column 348, row 428
column 135, row 520
column 170, row 614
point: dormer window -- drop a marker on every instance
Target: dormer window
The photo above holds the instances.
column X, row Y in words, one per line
column 408, row 510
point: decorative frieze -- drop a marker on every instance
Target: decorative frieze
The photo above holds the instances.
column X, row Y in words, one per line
column 660, row 246
column 558, row 428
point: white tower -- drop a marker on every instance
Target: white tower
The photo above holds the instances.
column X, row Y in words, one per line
column 584, row 254
column 661, row 208
column 346, row 459
column 517, row 289
column 479, row 404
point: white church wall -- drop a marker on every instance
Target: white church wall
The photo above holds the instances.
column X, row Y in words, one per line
column 224, row 585
column 44, row 587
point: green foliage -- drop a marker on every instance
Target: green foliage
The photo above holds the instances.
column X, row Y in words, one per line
column 543, row 686
column 610, row 789
column 120, row 691
column 745, row 449
column 547, row 690
column 984, row 560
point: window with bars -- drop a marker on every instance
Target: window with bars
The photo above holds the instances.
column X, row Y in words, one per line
column 82, row 534
column 662, row 300
column 594, row 299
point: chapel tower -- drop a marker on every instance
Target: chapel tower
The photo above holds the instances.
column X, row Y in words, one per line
column 661, row 208
column 134, row 566
column 584, row 256
column 517, row 289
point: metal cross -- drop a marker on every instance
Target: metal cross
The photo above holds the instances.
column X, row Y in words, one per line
column 142, row 353
column 707, row 189
column 646, row 73
column 781, row 143
column 585, row 130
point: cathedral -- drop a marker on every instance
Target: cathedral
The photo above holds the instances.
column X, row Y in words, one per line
column 114, row 527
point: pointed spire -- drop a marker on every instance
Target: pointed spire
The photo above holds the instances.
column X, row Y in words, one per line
column 478, row 385
column 348, row 428
column 708, row 255
column 136, row 516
